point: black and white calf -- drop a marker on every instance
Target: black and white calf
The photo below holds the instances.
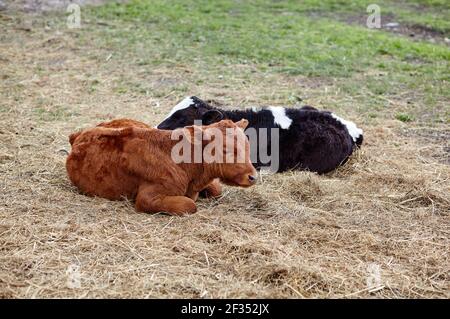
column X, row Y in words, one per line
column 309, row 139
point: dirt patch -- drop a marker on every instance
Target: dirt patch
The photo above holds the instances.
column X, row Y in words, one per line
column 390, row 23
column 435, row 141
column 435, row 136
column 36, row 6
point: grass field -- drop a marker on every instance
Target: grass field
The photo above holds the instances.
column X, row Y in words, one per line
column 377, row 227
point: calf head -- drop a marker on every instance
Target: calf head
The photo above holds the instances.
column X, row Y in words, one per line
column 189, row 110
column 224, row 151
column 230, row 151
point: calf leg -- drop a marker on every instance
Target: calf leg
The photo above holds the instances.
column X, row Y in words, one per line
column 150, row 200
column 214, row 189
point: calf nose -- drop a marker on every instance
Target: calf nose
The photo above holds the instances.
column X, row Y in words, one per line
column 252, row 179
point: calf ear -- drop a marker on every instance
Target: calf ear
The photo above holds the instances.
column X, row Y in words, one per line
column 196, row 135
column 212, row 116
column 242, row 124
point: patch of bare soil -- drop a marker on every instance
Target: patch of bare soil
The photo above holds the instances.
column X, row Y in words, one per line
column 437, row 141
column 36, row 6
column 390, row 23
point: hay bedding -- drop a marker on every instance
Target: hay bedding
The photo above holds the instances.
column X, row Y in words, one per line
column 377, row 227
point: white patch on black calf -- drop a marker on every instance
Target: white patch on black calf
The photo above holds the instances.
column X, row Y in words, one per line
column 185, row 103
column 352, row 129
column 280, row 117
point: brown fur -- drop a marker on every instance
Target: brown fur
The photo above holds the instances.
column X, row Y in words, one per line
column 119, row 123
column 126, row 158
column 212, row 190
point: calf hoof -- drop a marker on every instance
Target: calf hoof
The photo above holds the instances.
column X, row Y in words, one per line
column 208, row 194
column 212, row 190
column 187, row 210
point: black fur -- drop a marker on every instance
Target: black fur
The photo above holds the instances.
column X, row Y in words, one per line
column 315, row 141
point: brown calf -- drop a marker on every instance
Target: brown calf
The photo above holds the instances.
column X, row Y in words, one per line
column 125, row 158
column 214, row 189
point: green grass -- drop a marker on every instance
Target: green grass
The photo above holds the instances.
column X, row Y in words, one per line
column 53, row 113
column 4, row 108
column 281, row 36
column 404, row 117
column 292, row 42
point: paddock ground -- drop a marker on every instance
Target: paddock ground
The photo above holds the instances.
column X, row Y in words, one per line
column 377, row 227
